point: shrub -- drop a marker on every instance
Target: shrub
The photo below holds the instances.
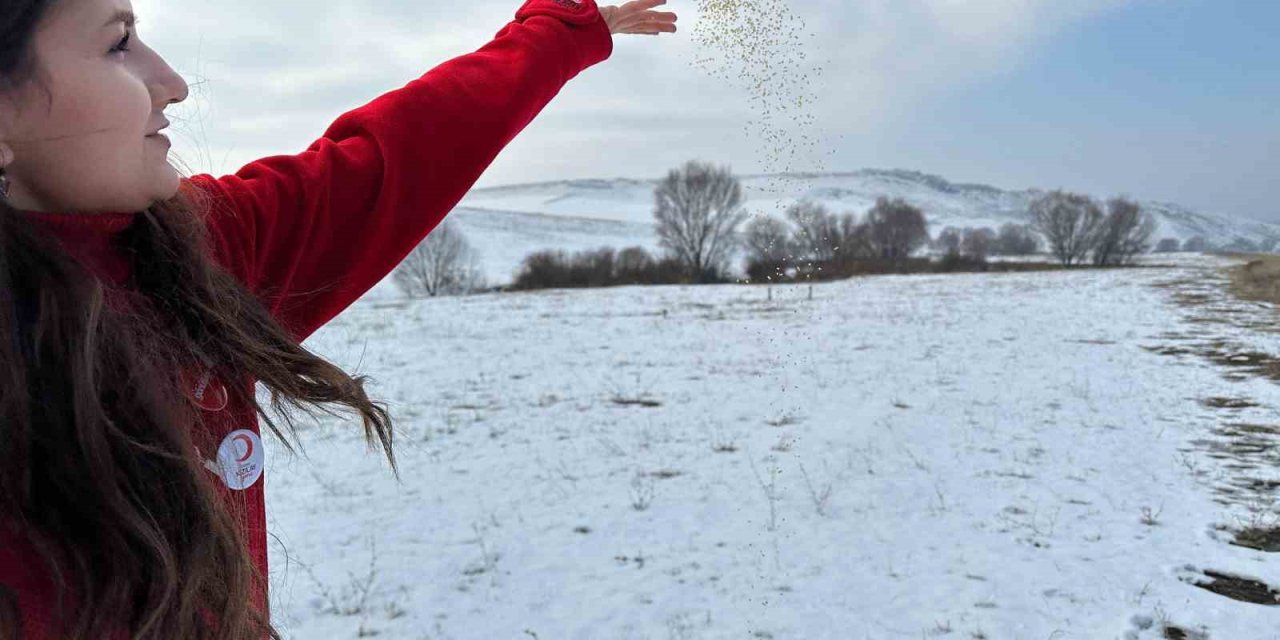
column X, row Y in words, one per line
column 602, row 267
column 1015, row 240
column 948, row 242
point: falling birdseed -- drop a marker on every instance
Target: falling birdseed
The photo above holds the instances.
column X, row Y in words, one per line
column 761, row 43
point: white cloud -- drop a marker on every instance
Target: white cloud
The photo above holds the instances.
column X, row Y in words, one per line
column 273, row 74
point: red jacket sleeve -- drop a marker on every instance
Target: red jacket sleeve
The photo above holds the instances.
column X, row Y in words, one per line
column 311, row 233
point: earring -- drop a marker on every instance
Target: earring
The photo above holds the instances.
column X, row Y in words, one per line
column 4, row 185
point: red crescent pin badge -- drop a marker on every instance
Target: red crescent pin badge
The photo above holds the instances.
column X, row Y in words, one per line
column 240, row 459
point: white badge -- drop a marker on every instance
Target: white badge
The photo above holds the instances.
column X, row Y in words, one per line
column 239, row 459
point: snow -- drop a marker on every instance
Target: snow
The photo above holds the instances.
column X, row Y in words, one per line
column 992, row 444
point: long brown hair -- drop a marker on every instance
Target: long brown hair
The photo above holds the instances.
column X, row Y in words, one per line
column 97, row 462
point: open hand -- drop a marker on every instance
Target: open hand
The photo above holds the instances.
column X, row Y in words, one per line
column 636, row 17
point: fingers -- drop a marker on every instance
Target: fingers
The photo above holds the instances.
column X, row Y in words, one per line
column 648, row 18
column 640, row 5
column 651, row 15
column 636, row 17
column 653, row 28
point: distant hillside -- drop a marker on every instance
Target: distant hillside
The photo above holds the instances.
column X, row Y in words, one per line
column 507, row 222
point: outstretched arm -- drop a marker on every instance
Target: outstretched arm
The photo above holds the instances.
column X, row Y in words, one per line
column 310, row 233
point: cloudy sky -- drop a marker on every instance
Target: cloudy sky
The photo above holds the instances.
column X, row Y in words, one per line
column 1174, row 100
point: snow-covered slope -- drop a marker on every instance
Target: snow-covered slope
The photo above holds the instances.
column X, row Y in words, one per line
column 508, row 222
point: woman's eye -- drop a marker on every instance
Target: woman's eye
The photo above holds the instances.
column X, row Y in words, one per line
column 122, row 46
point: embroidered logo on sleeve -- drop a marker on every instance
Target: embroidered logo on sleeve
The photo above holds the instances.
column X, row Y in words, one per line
column 208, row 392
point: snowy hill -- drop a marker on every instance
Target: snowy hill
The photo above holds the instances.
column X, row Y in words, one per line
column 506, row 223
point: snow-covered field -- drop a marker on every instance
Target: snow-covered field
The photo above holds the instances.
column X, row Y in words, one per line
column 956, row 456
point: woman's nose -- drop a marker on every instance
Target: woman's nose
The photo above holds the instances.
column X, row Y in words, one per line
column 169, row 87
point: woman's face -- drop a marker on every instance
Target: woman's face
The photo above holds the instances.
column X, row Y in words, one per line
column 89, row 149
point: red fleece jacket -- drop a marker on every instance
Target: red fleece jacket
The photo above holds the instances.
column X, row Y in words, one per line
column 310, row 233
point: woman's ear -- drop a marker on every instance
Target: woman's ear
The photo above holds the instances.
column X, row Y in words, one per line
column 8, row 125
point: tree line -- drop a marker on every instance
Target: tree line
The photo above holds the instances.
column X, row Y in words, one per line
column 701, row 225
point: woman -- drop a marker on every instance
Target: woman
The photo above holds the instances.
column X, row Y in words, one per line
column 139, row 308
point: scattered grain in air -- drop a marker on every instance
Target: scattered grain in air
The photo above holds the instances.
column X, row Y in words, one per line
column 760, row 43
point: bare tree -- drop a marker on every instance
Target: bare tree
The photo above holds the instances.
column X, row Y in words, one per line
column 1015, row 240
column 767, row 240
column 817, row 232
column 823, row 236
column 896, row 229
column 948, row 242
column 1069, row 222
column 1125, row 232
column 976, row 243
column 855, row 239
column 443, row 264
column 698, row 209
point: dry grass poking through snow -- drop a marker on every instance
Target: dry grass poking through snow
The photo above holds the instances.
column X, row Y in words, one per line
column 1258, row 279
